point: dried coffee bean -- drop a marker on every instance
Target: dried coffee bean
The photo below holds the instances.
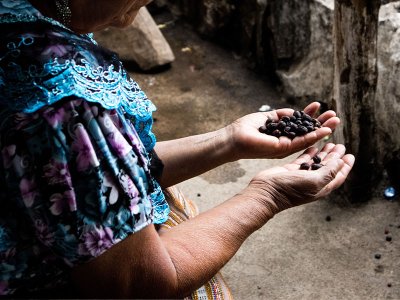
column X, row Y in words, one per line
column 297, row 114
column 263, row 129
column 285, row 119
column 316, row 159
column 294, row 127
column 277, row 133
column 306, row 123
column 317, row 124
column 272, row 126
column 291, row 135
column 268, row 121
column 301, row 130
column 310, row 128
column 316, row 166
column 281, row 125
column 293, row 119
column 307, row 118
column 305, row 166
column 287, row 129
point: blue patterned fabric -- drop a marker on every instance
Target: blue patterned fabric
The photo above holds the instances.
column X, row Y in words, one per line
column 75, row 138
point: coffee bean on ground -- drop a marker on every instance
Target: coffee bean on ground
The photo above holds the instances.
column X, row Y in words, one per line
column 298, row 124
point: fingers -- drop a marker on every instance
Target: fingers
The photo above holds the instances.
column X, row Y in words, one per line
column 306, row 156
column 309, row 139
column 312, row 108
column 332, row 123
column 340, row 177
column 284, row 112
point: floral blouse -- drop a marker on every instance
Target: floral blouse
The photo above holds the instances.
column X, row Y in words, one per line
column 75, row 152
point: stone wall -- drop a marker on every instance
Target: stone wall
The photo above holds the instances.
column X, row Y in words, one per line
column 292, row 40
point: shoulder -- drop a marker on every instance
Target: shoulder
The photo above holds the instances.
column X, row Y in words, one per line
column 37, row 43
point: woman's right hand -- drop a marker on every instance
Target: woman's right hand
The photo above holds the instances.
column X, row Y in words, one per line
column 287, row 186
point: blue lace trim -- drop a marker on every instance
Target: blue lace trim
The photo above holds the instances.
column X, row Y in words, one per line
column 108, row 87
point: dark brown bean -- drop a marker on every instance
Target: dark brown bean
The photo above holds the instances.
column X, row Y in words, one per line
column 287, row 128
column 281, row 125
column 297, row 114
column 316, row 159
column 285, row 119
column 307, row 118
column 305, row 166
column 294, row 127
column 310, row 128
column 263, row 129
column 277, row 133
column 272, row 126
column 291, row 135
column 268, row 121
column 301, row 130
column 316, row 166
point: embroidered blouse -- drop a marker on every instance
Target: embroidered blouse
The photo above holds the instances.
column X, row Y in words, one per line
column 75, row 142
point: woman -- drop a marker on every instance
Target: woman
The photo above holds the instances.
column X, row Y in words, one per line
column 83, row 181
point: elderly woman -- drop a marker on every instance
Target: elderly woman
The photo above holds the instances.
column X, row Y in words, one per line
column 86, row 208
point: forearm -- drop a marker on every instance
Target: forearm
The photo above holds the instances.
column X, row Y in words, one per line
column 200, row 247
column 172, row 263
column 191, row 156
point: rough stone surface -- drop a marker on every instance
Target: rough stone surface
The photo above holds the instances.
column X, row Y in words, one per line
column 311, row 77
column 142, row 42
column 388, row 92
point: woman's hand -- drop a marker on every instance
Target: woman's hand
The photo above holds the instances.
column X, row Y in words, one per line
column 283, row 187
column 247, row 142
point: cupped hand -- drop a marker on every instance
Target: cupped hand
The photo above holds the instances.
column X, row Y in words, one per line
column 248, row 142
column 288, row 186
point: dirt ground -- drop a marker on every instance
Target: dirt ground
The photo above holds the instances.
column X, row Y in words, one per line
column 318, row 251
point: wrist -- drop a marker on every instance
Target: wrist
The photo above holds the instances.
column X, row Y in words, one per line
column 268, row 196
column 225, row 146
column 232, row 148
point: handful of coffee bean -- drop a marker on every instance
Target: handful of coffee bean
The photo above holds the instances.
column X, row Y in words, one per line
column 298, row 124
column 314, row 166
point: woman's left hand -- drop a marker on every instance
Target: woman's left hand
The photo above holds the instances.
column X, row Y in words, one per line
column 247, row 141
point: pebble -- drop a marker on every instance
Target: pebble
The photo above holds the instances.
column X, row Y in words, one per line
column 265, row 108
column 389, row 193
column 378, row 256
